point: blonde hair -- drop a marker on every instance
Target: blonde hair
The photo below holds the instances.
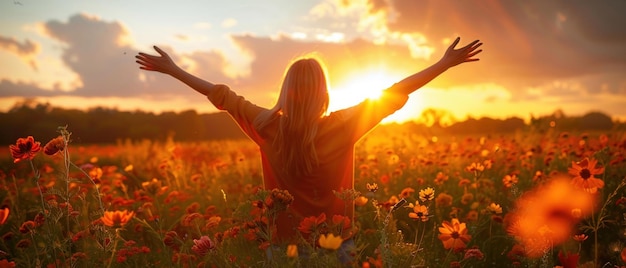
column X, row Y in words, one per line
column 303, row 100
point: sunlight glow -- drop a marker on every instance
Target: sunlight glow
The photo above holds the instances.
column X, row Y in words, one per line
column 355, row 89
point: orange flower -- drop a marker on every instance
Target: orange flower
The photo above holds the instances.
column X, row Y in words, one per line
column 360, row 201
column 454, row 235
column 584, row 172
column 4, row 215
column 509, row 180
column 406, row 192
column 330, row 241
column 623, row 255
column 420, row 212
column 494, row 208
column 292, row 251
column 443, row 200
column 6, row 263
column 116, row 218
column 53, row 146
column 24, row 148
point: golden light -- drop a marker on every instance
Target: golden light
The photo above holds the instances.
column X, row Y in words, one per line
column 355, row 89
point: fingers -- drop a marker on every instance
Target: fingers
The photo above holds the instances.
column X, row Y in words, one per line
column 456, row 42
column 161, row 52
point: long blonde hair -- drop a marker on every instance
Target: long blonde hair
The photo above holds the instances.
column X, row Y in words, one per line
column 302, row 102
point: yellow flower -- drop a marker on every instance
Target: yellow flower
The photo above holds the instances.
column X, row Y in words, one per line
column 292, row 251
column 427, row 194
column 330, row 241
column 372, row 187
column 116, row 218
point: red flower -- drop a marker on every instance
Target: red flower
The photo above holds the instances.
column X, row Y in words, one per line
column 4, row 215
column 53, row 146
column 24, row 148
column 310, row 224
column 568, row 260
column 203, row 245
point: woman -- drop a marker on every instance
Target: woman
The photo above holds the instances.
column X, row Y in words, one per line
column 304, row 150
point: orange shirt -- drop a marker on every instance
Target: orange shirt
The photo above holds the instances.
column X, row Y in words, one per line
column 336, row 136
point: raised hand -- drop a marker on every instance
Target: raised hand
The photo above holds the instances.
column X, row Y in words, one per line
column 454, row 57
column 163, row 63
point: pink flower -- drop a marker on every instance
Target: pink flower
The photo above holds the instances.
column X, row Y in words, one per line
column 203, row 245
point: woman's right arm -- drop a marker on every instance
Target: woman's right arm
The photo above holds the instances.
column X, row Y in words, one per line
column 451, row 58
column 165, row 64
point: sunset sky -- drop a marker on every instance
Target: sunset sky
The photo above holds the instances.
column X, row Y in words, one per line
column 539, row 56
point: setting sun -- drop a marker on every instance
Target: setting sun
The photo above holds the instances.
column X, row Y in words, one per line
column 354, row 89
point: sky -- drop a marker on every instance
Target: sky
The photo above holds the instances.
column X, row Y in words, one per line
column 538, row 56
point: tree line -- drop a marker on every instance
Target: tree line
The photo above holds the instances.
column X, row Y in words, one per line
column 104, row 125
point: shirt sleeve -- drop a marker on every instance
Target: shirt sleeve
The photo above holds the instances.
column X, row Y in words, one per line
column 242, row 110
column 363, row 117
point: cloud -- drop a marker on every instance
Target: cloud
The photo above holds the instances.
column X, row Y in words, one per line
column 26, row 50
column 527, row 43
column 23, row 49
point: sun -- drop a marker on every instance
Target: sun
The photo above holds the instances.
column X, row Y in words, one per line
column 354, row 89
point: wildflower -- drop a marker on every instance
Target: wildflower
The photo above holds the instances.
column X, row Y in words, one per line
column 372, row 187
column 427, row 194
column 543, row 218
column 292, row 251
column 116, row 218
column 24, row 148
column 420, row 212
column 475, row 167
column 27, row 226
column 281, row 199
column 584, row 172
column 443, row 200
column 467, row 198
column 212, row 222
column 580, row 237
column 623, row 254
column 441, row 178
column 494, row 208
column 203, row 245
column 330, row 241
column 360, row 201
column 568, row 259
column 54, row 146
column 406, row 192
column 509, row 180
column 454, row 235
column 6, row 263
column 473, row 253
column 472, row 215
column 310, row 224
column 4, row 215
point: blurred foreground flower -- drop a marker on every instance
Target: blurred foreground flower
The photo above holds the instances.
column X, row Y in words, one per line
column 330, row 241
column 24, row 148
column 454, row 234
column 116, row 218
column 4, row 215
column 543, row 217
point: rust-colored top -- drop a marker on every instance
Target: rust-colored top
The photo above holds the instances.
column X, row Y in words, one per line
column 336, row 136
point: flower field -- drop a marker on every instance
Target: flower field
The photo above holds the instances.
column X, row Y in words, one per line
column 531, row 199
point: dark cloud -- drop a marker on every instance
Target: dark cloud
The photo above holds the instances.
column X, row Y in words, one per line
column 527, row 43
